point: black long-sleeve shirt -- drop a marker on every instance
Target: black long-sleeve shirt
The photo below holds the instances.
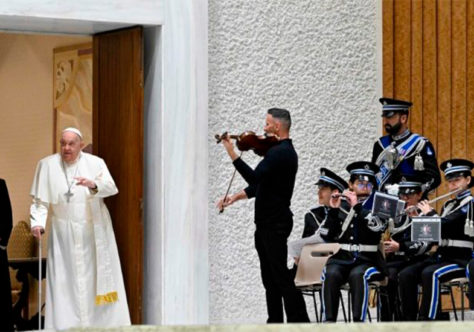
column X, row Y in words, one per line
column 5, row 214
column 272, row 183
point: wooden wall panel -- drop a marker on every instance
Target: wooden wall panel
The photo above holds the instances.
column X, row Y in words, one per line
column 428, row 59
column 387, row 9
column 402, row 49
column 458, row 44
column 444, row 83
column 416, row 113
column 470, row 80
column 430, row 102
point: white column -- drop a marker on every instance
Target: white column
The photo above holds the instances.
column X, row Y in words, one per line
column 153, row 181
column 185, row 289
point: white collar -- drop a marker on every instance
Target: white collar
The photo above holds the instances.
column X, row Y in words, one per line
column 67, row 165
column 402, row 135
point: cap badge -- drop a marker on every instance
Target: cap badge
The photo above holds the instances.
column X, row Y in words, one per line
column 367, row 167
column 449, row 165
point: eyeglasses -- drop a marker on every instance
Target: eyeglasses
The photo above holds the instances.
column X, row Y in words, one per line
column 367, row 185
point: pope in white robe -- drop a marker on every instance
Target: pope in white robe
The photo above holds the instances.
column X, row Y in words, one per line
column 84, row 284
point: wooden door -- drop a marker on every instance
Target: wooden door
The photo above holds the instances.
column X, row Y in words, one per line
column 118, row 139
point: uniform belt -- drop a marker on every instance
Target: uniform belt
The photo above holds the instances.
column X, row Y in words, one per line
column 456, row 243
column 359, row 247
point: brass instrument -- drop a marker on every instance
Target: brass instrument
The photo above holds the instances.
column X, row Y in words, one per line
column 411, row 208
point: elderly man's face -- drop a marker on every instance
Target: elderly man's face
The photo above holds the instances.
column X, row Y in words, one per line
column 71, row 145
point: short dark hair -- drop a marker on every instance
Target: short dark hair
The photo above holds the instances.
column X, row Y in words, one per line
column 282, row 115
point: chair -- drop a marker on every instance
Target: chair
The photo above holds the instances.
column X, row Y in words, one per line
column 447, row 287
column 20, row 245
column 312, row 260
column 379, row 288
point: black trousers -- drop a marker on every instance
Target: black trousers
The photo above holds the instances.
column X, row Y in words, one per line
column 389, row 303
column 430, row 274
column 470, row 274
column 279, row 285
column 358, row 275
column 6, row 323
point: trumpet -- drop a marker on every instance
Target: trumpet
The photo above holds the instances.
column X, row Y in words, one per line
column 446, row 195
column 413, row 207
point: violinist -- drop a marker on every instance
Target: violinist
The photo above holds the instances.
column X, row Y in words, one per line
column 271, row 184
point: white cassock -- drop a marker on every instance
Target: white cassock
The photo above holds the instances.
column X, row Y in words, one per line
column 84, row 278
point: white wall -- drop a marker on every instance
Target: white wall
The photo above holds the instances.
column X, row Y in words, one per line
column 315, row 57
column 318, row 59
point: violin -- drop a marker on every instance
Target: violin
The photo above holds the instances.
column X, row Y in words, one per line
column 248, row 140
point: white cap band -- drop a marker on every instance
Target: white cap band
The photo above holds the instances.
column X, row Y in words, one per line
column 73, row 130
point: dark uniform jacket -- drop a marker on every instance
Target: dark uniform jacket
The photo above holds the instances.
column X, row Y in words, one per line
column 313, row 220
column 409, row 251
column 362, row 229
column 452, row 228
column 431, row 170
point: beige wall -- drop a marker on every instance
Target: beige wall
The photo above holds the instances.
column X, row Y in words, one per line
column 26, row 109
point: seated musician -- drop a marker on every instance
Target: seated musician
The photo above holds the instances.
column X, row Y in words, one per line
column 358, row 261
column 329, row 183
column 454, row 251
column 400, row 251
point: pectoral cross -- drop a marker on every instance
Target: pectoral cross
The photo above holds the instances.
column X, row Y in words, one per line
column 68, row 195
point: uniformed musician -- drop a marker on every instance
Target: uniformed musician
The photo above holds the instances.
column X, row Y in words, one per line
column 329, row 183
column 402, row 151
column 400, row 250
column 358, row 261
column 454, row 251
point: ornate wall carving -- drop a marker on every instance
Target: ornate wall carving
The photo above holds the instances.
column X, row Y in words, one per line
column 73, row 91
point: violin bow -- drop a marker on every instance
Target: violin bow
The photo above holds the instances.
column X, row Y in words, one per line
column 228, row 188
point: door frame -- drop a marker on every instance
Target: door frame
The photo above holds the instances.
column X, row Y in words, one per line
column 176, row 282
